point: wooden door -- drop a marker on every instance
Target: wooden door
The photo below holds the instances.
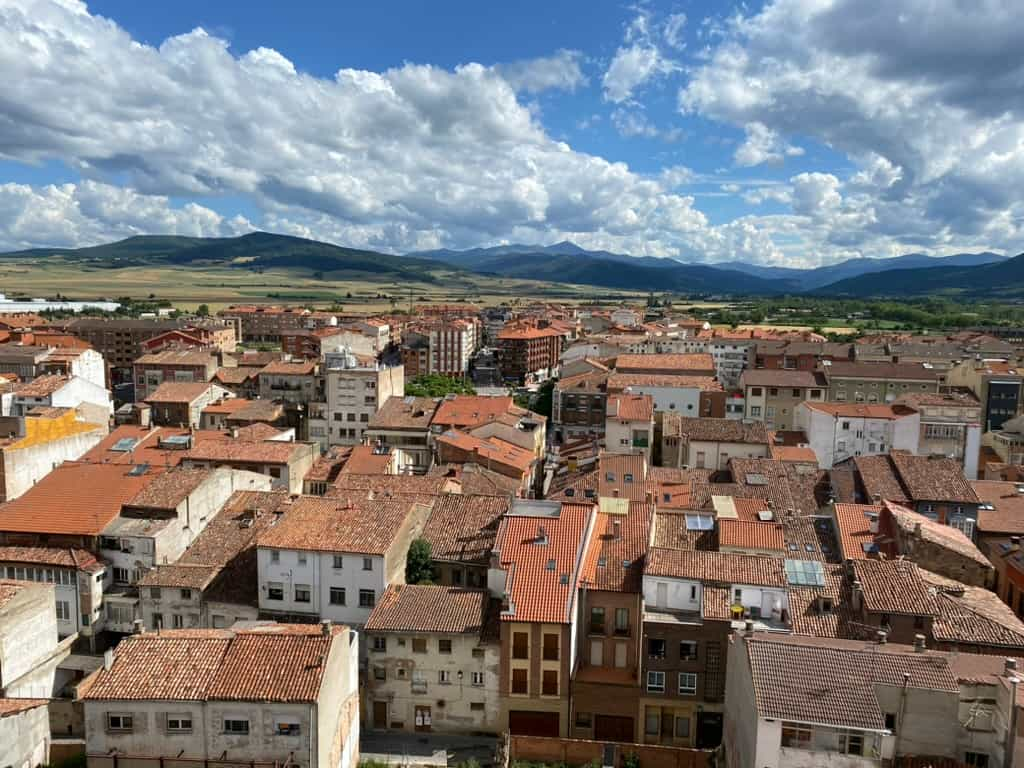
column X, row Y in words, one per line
column 380, row 714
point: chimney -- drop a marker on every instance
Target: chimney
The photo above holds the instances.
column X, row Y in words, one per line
column 234, row 433
column 881, row 636
column 108, row 659
column 138, row 627
column 748, row 628
column 615, row 492
column 616, row 529
column 919, row 646
column 873, row 523
column 1010, row 667
column 857, row 598
column 325, row 628
column 917, row 530
column 542, row 535
column 876, row 498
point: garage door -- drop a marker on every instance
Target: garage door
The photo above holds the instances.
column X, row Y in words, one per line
column 533, row 723
column 612, row 728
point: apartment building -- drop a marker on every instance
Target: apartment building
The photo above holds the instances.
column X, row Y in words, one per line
column 285, row 462
column 950, row 425
column 182, row 403
column 332, row 559
column 403, row 424
column 771, row 396
column 629, row 424
column 686, row 395
column 860, row 382
column 223, row 705
column 86, row 364
column 216, row 581
column 293, row 381
column 354, row 391
column 265, row 323
column 461, row 531
column 120, row 340
column 839, row 431
column 710, row 443
column 433, row 661
column 91, row 402
column 25, row 362
column 440, row 346
column 536, row 570
column 178, row 365
column 579, row 405
column 30, row 648
column 528, row 353
column 997, row 385
column 25, row 731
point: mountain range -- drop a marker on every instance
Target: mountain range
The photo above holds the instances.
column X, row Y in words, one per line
column 968, row 274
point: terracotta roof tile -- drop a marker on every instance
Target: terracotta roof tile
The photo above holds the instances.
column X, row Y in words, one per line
column 716, row 567
column 614, row 561
column 853, row 523
column 289, row 368
column 253, row 451
column 322, row 524
column 861, row 410
column 405, row 413
column 41, row 386
column 10, row 707
column 743, row 534
column 180, row 392
column 1007, row 507
column 973, row 616
column 418, row 608
column 770, row 377
column 168, row 490
column 939, row 534
column 463, row 528
column 75, row 498
column 842, row 369
column 469, row 410
column 491, row 450
column 176, row 356
column 933, row 479
column 66, row 557
column 536, row 591
column 630, row 407
column 894, row 586
column 665, row 363
column 234, row 376
column 617, row 382
column 364, row 460
column 715, row 430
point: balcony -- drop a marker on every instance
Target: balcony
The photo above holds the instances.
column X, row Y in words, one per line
column 640, row 442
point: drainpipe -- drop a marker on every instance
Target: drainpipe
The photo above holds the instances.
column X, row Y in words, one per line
column 899, row 716
column 1011, row 731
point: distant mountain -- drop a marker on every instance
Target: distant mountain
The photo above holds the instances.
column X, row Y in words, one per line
column 798, row 280
column 1000, row 279
column 256, row 250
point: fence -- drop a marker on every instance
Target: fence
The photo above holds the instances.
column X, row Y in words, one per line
column 574, row 752
column 94, row 760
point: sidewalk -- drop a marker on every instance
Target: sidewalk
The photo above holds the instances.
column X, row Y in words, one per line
column 425, row 749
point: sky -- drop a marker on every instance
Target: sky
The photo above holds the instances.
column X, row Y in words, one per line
column 789, row 132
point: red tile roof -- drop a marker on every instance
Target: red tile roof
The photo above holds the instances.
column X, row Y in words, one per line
column 489, row 451
column 435, row 609
column 617, row 382
column 615, row 557
column 290, row 368
column 66, row 557
column 470, row 410
column 180, row 392
column 1007, row 512
column 744, row 534
column 363, row 460
column 626, row 407
column 853, row 524
column 665, row 363
column 41, row 386
column 716, row 567
column 463, row 528
column 536, row 592
column 861, row 410
column 75, row 498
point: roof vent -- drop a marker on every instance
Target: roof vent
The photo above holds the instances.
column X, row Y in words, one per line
column 542, row 535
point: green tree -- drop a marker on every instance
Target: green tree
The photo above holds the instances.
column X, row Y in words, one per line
column 435, row 385
column 417, row 565
column 203, row 310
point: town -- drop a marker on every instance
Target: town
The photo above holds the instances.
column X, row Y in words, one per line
column 563, row 534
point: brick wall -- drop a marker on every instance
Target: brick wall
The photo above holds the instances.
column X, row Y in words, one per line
column 581, row 752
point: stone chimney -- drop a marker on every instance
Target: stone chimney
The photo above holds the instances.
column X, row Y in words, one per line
column 325, row 628
column 108, row 659
column 748, row 628
column 138, row 627
column 857, row 596
column 919, row 646
column 881, row 636
column 1010, row 667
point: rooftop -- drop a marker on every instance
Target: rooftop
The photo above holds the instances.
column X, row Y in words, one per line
column 745, row 534
column 405, row 413
column 177, row 356
column 614, row 561
column 770, row 377
column 617, row 382
column 290, row 368
column 470, row 410
column 898, row 371
column 490, row 451
column 934, row 532
column 41, row 386
column 625, row 407
column 716, row 567
column 1002, row 509
column 861, row 410
column 366, row 460
column 855, row 536
column 715, row 430
column 180, row 392
column 665, row 363
column 168, row 490
column 275, row 662
column 462, row 528
column 434, row 609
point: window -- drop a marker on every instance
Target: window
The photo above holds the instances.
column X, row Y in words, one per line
column 755, row 410
column 121, row 575
column 549, row 683
column 656, row 682
column 687, row 650
column 367, row 563
column 478, row 678
column 687, row 683
column 287, row 728
column 63, row 610
column 444, row 677
column 520, row 645
column 275, row 556
column 154, row 592
column 179, row 723
column 380, row 644
column 119, row 722
column 158, row 620
column 275, row 591
column 656, row 648
column 302, row 594
column 919, row 622
column 302, row 558
column 477, row 706
column 444, row 645
column 773, row 391
column 380, row 673
column 846, row 425
column 796, row 736
column 235, row 726
column 337, row 596
column 682, row 727
column 519, row 681
column 419, row 645
column 890, row 721
column 177, row 621
column 550, row 647
column 622, row 621
column 367, row 598
column 796, row 392
column 976, row 759
column 756, row 392
column 652, row 722
column 338, row 562
column 597, row 621
column 186, row 594
column 583, row 719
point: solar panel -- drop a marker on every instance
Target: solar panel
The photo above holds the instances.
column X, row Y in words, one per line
column 805, row 573
column 756, row 478
column 869, row 547
column 139, row 469
column 699, row 522
column 765, row 515
column 125, row 444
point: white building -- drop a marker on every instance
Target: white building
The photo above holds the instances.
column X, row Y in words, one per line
column 24, row 732
column 839, row 431
column 91, row 401
column 429, row 644
column 681, row 394
column 30, row 651
column 77, row 577
column 354, row 390
column 332, row 559
column 268, row 693
column 629, row 424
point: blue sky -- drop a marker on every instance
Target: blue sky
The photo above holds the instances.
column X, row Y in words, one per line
column 795, row 132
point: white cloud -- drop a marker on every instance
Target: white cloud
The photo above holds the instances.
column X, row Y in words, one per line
column 561, row 71
column 673, row 30
column 637, row 62
column 763, row 145
column 631, row 122
column 922, row 96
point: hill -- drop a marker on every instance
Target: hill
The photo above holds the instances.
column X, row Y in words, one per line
column 256, row 250
column 1003, row 279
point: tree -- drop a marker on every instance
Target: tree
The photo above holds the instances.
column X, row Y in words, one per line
column 417, row 564
column 435, row 385
column 203, row 310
